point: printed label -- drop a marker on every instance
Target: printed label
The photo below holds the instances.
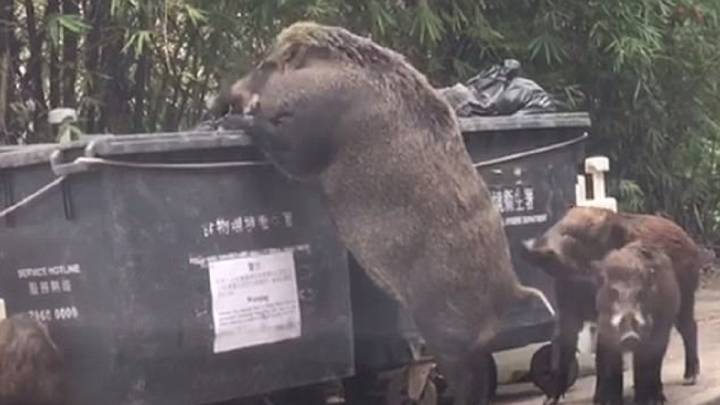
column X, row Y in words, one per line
column 254, row 300
column 520, row 199
column 247, row 224
column 51, row 281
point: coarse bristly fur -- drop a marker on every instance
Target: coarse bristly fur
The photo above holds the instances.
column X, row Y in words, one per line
column 330, row 106
column 31, row 366
column 584, row 234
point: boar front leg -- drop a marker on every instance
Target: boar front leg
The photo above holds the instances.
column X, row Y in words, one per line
column 299, row 152
column 687, row 326
column 564, row 346
column 647, row 368
column 609, row 375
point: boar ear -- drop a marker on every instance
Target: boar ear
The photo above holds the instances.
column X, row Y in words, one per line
column 646, row 252
column 299, row 55
column 597, row 271
column 617, row 236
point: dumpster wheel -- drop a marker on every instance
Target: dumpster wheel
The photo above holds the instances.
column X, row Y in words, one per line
column 396, row 391
column 540, row 369
column 492, row 378
column 492, row 382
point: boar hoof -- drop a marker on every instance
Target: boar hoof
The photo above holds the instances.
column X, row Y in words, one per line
column 690, row 380
column 551, row 401
column 653, row 399
column 607, row 401
column 659, row 401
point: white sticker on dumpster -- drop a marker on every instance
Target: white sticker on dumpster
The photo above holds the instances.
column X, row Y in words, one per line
column 254, row 300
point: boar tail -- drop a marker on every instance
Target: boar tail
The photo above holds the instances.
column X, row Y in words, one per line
column 525, row 293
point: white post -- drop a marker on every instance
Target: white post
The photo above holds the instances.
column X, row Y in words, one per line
column 62, row 117
column 596, row 167
column 580, row 190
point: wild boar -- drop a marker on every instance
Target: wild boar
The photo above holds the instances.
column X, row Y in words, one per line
column 331, row 107
column 585, row 234
column 638, row 300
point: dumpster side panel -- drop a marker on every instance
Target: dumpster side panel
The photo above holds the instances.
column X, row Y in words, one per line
column 531, row 193
column 193, row 218
column 119, row 261
column 49, row 267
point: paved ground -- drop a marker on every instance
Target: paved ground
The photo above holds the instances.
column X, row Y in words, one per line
column 706, row 392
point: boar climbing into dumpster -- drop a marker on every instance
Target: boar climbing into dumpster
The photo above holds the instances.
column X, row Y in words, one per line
column 585, row 234
column 637, row 301
column 331, row 107
column 31, row 367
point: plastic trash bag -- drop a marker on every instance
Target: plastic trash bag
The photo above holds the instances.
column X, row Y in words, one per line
column 498, row 90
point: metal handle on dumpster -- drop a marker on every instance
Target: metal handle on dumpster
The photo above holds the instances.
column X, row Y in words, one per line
column 531, row 152
column 64, row 169
column 28, row 199
column 117, row 146
column 166, row 142
column 83, row 163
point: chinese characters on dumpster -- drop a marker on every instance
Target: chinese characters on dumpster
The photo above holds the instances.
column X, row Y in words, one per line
column 247, row 224
column 516, row 205
column 51, row 281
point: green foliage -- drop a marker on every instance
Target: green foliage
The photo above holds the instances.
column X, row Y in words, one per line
column 646, row 70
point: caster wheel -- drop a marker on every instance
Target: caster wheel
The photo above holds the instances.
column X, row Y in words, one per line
column 492, row 377
column 492, row 383
column 540, row 373
column 396, row 392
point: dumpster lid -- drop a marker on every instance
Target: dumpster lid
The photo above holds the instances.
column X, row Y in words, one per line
column 526, row 121
column 109, row 145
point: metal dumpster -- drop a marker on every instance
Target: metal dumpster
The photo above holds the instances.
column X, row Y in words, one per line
column 150, row 254
column 530, row 163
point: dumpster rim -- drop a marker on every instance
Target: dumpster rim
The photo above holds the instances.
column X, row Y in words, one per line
column 471, row 125
column 108, row 144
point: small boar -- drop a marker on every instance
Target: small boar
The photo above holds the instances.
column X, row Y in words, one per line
column 638, row 300
column 31, row 366
column 331, row 107
column 585, row 234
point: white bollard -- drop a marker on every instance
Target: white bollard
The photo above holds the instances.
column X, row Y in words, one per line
column 596, row 167
column 60, row 115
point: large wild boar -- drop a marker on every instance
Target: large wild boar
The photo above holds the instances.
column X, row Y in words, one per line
column 585, row 234
column 637, row 301
column 31, row 367
column 329, row 106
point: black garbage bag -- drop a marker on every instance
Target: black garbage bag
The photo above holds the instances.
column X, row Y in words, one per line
column 498, row 90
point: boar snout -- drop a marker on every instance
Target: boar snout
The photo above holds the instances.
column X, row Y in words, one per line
column 630, row 340
column 535, row 249
column 629, row 326
column 243, row 101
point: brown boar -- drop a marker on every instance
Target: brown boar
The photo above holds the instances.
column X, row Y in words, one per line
column 31, row 367
column 331, row 107
column 638, row 300
column 585, row 234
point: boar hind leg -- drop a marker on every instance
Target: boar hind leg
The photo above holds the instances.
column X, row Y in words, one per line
column 609, row 373
column 687, row 326
column 468, row 376
column 647, row 370
column 460, row 343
